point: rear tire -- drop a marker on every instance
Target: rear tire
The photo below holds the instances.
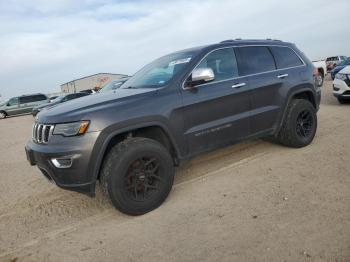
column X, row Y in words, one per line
column 137, row 175
column 3, row 115
column 299, row 125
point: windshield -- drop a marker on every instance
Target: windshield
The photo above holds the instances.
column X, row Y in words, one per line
column 112, row 85
column 345, row 62
column 159, row 72
column 57, row 99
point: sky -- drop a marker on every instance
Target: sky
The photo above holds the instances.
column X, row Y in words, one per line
column 46, row 43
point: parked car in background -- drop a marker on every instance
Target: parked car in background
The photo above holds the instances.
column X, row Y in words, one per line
column 341, row 85
column 89, row 91
column 22, row 104
column 53, row 98
column 333, row 61
column 340, row 67
column 321, row 67
column 58, row 100
column 178, row 106
column 113, row 85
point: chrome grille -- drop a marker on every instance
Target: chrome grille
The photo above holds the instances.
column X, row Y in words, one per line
column 42, row 133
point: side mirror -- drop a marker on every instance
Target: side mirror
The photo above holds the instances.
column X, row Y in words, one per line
column 200, row 76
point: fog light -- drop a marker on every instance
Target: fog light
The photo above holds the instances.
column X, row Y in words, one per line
column 62, row 162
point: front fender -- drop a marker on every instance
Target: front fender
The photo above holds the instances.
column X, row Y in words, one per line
column 108, row 133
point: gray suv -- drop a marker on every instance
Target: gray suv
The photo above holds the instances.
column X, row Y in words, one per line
column 180, row 105
column 21, row 104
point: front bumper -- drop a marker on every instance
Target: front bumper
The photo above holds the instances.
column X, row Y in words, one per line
column 341, row 88
column 77, row 177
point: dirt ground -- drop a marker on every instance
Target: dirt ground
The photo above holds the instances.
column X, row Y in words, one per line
column 253, row 201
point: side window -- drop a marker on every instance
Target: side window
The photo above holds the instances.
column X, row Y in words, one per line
column 23, row 100
column 285, row 57
column 13, row 101
column 222, row 62
column 27, row 99
column 254, row 59
column 40, row 97
column 71, row 97
column 68, row 97
column 81, row 95
column 31, row 99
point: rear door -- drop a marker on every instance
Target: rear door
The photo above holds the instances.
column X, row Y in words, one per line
column 216, row 112
column 272, row 70
column 258, row 65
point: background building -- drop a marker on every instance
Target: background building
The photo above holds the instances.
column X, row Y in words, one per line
column 95, row 81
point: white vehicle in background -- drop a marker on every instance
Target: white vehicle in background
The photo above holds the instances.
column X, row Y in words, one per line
column 333, row 61
column 341, row 85
column 321, row 67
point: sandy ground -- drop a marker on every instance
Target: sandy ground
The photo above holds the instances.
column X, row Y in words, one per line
column 254, row 201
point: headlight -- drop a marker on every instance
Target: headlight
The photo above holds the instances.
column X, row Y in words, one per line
column 71, row 129
column 340, row 76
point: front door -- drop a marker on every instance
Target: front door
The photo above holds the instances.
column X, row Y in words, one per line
column 218, row 111
column 12, row 107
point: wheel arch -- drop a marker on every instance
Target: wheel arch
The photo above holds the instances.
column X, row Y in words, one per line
column 153, row 130
column 301, row 93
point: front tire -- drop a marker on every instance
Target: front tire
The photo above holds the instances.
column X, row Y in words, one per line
column 2, row 114
column 300, row 124
column 137, row 175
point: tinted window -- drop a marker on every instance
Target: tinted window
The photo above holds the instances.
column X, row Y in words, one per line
column 40, row 98
column 81, row 94
column 26, row 99
column 69, row 97
column 31, row 99
column 333, row 58
column 254, row 59
column 222, row 62
column 13, row 101
column 345, row 62
column 285, row 57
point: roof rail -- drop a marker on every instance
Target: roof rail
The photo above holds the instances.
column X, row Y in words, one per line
column 230, row 40
column 271, row 39
column 240, row 39
column 227, row 41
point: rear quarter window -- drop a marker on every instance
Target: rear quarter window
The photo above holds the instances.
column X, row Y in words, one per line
column 285, row 57
column 254, row 59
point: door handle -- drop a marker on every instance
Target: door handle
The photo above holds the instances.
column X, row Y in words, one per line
column 282, row 76
column 238, row 85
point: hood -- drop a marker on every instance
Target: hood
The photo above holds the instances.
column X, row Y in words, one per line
column 345, row 70
column 82, row 108
column 338, row 68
